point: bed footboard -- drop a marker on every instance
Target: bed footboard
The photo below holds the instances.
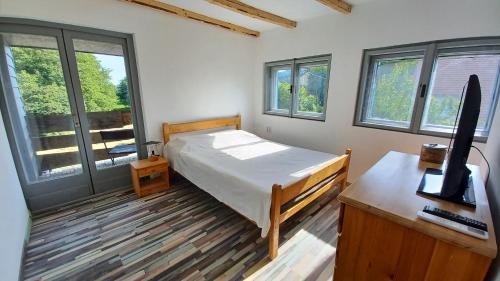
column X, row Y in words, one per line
column 329, row 175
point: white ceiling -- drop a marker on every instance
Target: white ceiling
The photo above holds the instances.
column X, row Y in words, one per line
column 296, row 10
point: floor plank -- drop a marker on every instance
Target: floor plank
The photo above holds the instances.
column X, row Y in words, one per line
column 181, row 234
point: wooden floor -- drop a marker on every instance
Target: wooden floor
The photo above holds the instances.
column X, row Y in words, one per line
column 183, row 234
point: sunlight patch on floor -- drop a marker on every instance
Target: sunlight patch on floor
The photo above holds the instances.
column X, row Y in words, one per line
column 300, row 257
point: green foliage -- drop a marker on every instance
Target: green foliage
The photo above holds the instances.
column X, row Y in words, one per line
column 45, row 64
column 312, row 90
column 284, row 95
column 98, row 92
column 41, row 81
column 443, row 110
column 39, row 99
column 394, row 91
column 122, row 92
column 308, row 102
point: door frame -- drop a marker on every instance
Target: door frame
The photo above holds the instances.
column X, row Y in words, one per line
column 39, row 28
column 50, row 191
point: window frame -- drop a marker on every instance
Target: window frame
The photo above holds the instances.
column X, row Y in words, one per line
column 431, row 50
column 294, row 64
column 268, row 83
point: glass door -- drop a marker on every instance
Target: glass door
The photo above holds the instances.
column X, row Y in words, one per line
column 101, row 79
column 69, row 104
column 40, row 112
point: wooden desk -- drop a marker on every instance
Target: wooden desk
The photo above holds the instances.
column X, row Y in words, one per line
column 381, row 237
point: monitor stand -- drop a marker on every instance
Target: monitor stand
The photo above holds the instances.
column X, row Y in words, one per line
column 432, row 183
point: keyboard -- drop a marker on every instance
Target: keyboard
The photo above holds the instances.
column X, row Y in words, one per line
column 453, row 221
column 454, row 217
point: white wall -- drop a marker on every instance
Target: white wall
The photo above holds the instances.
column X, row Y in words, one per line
column 14, row 215
column 492, row 152
column 373, row 24
column 187, row 70
column 190, row 70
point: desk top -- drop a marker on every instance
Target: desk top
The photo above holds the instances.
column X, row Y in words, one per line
column 388, row 189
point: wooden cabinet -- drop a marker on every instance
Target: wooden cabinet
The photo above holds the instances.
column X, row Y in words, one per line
column 381, row 237
column 149, row 176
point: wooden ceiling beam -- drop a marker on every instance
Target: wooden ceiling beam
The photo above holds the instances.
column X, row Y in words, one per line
column 338, row 5
column 247, row 10
column 194, row 16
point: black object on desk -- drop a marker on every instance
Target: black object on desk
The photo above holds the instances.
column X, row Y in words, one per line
column 432, row 183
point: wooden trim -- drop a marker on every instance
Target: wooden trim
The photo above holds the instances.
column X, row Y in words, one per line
column 250, row 11
column 337, row 5
column 338, row 168
column 169, row 129
column 194, row 16
column 275, row 221
column 343, row 186
column 293, row 210
column 316, row 177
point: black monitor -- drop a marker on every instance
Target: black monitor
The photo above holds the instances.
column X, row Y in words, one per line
column 456, row 184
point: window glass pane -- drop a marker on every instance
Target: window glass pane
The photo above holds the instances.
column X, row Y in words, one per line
column 450, row 74
column 280, row 85
column 312, row 87
column 42, row 118
column 103, row 79
column 392, row 90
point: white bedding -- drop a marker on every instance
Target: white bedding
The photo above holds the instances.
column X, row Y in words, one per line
column 239, row 168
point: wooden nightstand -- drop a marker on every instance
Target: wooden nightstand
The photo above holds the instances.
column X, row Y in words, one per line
column 142, row 170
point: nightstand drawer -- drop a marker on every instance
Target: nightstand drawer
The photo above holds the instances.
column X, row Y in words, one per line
column 153, row 170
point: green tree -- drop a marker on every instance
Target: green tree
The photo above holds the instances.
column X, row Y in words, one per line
column 122, row 92
column 41, row 80
column 43, row 88
column 312, row 88
column 308, row 102
column 40, row 99
column 98, row 92
column 44, row 63
column 443, row 110
column 284, row 95
column 394, row 90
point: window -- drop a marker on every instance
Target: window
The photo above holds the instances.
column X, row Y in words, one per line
column 280, row 89
column 417, row 89
column 392, row 91
column 297, row 88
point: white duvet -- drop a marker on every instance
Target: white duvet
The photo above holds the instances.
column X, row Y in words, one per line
column 239, row 168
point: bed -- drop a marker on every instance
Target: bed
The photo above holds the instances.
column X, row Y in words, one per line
column 267, row 182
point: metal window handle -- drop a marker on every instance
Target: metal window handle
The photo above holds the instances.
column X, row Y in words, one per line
column 422, row 90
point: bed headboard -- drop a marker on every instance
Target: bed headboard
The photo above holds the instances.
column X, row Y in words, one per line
column 169, row 129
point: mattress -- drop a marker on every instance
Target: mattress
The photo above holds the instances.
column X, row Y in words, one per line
column 239, row 168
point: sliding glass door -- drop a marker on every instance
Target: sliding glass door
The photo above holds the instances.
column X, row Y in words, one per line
column 69, row 107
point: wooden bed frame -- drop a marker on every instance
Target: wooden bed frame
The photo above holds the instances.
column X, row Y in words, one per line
column 335, row 171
